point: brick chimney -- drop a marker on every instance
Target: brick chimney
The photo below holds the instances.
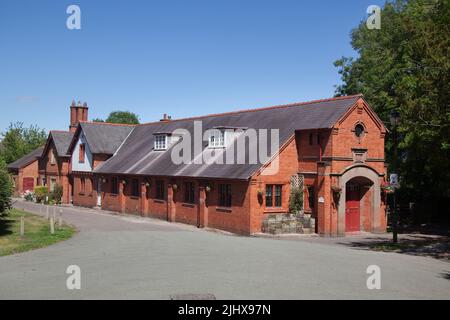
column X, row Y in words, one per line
column 78, row 113
column 166, row 118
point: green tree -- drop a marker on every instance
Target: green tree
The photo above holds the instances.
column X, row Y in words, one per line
column 124, row 117
column 18, row 141
column 5, row 188
column 405, row 65
column 98, row 120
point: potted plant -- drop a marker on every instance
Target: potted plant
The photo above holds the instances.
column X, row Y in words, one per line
column 336, row 193
column 260, row 196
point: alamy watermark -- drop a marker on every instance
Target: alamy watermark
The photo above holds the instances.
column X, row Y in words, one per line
column 374, row 279
column 373, row 22
column 73, row 22
column 73, row 282
column 226, row 146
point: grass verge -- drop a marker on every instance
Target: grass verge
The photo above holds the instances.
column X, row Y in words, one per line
column 37, row 233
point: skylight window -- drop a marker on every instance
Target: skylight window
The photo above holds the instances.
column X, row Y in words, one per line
column 217, row 139
column 161, row 142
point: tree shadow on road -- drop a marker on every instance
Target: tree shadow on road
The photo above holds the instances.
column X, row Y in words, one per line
column 437, row 247
column 5, row 225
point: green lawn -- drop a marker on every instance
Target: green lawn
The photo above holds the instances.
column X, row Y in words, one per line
column 37, row 233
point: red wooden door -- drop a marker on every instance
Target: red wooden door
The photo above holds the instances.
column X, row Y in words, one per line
column 352, row 209
column 28, row 184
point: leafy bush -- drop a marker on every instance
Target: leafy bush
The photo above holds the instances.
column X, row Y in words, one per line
column 40, row 193
column 296, row 201
column 57, row 194
column 6, row 188
column 28, row 196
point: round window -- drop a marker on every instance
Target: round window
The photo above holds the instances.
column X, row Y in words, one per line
column 359, row 130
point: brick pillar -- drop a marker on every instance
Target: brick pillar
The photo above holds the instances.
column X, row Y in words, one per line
column 122, row 187
column 256, row 207
column 202, row 208
column 94, row 186
column 327, row 224
column 66, row 189
column 171, row 210
column 144, row 200
column 20, row 181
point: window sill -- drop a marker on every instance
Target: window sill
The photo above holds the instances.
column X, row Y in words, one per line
column 188, row 205
column 135, row 197
column 224, row 209
column 159, row 201
column 114, row 195
column 276, row 210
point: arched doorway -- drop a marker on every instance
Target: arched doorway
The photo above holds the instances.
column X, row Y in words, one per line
column 358, row 204
column 360, row 200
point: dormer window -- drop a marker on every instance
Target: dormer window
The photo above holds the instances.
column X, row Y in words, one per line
column 217, row 139
column 161, row 142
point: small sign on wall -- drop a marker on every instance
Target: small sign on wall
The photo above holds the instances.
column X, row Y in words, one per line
column 321, row 200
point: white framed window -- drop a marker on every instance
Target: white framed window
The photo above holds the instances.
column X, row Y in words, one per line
column 161, row 142
column 217, row 139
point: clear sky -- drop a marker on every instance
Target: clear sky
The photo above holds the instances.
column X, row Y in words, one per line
column 184, row 58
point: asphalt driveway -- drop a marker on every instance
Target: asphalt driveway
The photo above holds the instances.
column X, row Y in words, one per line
column 124, row 257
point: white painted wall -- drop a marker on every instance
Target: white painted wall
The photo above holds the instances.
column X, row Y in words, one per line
column 87, row 165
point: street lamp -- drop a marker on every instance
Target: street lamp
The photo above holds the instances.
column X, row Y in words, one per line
column 395, row 119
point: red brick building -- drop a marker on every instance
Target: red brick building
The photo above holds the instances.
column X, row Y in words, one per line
column 54, row 169
column 24, row 172
column 332, row 150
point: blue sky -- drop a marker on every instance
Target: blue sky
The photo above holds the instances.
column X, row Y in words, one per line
column 183, row 58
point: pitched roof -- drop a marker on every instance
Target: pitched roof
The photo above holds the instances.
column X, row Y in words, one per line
column 62, row 140
column 26, row 160
column 137, row 157
column 104, row 138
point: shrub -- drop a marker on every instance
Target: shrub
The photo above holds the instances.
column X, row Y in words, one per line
column 296, row 201
column 40, row 193
column 28, row 196
column 6, row 188
column 57, row 194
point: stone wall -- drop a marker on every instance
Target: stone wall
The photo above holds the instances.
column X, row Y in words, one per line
column 289, row 224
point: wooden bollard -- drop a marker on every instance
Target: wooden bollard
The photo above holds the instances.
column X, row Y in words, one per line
column 22, row 226
column 60, row 219
column 52, row 225
column 47, row 214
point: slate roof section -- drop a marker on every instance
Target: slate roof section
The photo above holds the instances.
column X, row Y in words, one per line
column 26, row 160
column 137, row 157
column 105, row 138
column 62, row 140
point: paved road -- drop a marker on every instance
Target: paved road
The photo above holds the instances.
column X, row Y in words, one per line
column 136, row 258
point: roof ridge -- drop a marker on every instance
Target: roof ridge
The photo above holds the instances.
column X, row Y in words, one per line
column 296, row 104
column 110, row 124
column 60, row 131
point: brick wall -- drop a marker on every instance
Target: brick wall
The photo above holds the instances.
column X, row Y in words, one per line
column 86, row 197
